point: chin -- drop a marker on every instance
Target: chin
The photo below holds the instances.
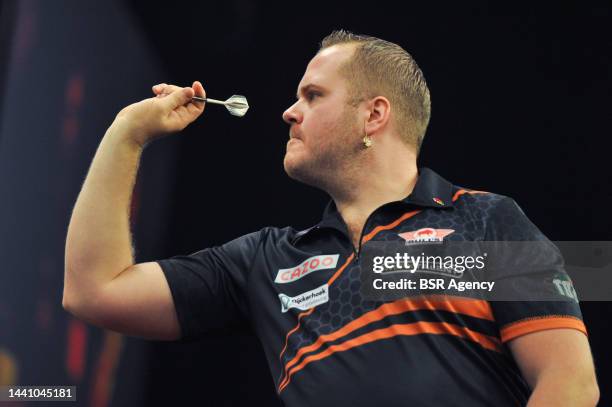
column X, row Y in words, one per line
column 291, row 165
column 298, row 170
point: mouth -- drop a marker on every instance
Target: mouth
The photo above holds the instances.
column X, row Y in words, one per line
column 293, row 143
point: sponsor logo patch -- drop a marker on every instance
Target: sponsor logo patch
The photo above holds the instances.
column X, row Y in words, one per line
column 321, row 262
column 425, row 235
column 304, row 301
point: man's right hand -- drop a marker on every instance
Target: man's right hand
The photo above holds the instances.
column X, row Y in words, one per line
column 170, row 111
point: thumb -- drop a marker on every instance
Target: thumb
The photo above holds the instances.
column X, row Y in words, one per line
column 177, row 98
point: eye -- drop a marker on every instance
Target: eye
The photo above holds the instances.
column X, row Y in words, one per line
column 310, row 95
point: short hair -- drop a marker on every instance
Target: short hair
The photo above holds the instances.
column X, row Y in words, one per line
column 382, row 68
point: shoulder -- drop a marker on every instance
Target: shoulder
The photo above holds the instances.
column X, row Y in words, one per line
column 501, row 215
column 477, row 199
column 488, row 205
column 274, row 234
column 267, row 237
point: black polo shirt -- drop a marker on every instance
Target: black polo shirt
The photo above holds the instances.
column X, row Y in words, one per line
column 327, row 345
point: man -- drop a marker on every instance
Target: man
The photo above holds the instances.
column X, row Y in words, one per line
column 355, row 130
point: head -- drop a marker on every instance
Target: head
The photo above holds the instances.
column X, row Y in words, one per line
column 355, row 85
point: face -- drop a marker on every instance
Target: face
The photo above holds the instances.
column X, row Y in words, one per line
column 324, row 129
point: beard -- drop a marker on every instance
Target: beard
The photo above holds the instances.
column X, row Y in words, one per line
column 327, row 164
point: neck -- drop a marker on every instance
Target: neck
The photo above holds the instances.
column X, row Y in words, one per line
column 363, row 190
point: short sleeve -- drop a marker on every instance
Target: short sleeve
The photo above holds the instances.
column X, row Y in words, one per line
column 533, row 276
column 209, row 286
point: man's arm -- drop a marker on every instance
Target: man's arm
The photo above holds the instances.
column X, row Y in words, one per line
column 101, row 283
column 558, row 366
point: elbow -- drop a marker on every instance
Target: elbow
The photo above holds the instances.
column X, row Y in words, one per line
column 74, row 297
column 78, row 288
column 65, row 304
column 69, row 303
column 79, row 307
column 67, row 295
column 82, row 301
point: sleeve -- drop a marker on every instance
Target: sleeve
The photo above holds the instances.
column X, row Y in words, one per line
column 209, row 286
column 536, row 292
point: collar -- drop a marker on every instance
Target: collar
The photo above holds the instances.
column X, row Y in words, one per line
column 430, row 191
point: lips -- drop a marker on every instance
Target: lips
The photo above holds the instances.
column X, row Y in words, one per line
column 294, row 134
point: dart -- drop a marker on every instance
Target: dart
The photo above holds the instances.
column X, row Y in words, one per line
column 237, row 105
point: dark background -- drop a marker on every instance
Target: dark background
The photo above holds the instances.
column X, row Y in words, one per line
column 520, row 107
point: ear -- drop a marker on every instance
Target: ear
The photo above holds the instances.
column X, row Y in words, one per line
column 378, row 113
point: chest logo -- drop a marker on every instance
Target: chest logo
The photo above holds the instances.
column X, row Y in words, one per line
column 425, row 235
column 321, row 262
column 304, row 301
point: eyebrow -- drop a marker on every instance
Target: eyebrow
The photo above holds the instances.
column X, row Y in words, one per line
column 306, row 88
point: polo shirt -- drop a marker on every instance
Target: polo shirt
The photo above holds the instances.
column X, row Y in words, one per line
column 326, row 344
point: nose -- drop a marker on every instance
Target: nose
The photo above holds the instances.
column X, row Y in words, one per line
column 292, row 115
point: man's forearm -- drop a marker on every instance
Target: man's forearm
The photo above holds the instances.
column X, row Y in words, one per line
column 98, row 243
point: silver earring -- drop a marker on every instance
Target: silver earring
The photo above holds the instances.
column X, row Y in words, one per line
column 367, row 141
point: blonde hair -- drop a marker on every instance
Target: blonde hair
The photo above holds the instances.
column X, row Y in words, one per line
column 382, row 68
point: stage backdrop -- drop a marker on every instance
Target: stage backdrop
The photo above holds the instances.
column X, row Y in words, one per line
column 72, row 66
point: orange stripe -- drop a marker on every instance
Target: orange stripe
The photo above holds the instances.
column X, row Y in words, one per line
column 459, row 305
column 523, row 327
column 417, row 328
column 389, row 226
column 465, row 191
column 341, row 269
column 302, row 314
column 310, row 311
